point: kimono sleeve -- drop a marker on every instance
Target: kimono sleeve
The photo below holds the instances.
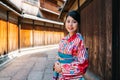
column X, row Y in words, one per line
column 82, row 56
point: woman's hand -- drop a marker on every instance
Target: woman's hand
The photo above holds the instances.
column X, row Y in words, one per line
column 57, row 67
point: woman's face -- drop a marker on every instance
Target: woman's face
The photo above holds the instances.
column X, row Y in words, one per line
column 71, row 25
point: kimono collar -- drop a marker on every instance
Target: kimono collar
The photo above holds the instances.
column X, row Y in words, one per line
column 71, row 38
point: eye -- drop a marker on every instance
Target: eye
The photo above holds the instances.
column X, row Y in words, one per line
column 68, row 21
column 74, row 21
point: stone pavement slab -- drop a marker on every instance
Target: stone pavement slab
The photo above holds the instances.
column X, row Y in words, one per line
column 33, row 66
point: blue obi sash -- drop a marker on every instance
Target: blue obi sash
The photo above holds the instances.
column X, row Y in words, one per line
column 65, row 58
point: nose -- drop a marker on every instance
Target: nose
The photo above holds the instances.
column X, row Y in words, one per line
column 70, row 24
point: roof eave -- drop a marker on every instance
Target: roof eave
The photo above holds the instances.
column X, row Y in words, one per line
column 65, row 9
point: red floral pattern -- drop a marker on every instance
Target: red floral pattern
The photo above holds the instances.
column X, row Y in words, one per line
column 74, row 45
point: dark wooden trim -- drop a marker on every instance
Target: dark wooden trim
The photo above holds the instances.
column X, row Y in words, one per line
column 66, row 8
column 19, row 27
column 7, row 28
column 116, row 40
column 87, row 2
column 33, row 33
column 78, row 3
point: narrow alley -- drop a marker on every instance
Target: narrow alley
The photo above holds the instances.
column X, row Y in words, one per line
column 30, row 31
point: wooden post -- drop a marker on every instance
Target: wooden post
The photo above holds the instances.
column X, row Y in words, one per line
column 33, row 27
column 78, row 4
column 19, row 28
column 7, row 28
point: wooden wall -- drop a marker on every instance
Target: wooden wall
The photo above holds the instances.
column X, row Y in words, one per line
column 3, row 32
column 39, row 38
column 96, row 27
column 12, row 33
column 26, row 36
column 17, row 33
column 50, row 5
column 3, row 37
column 50, row 16
column 8, row 32
column 37, row 35
column 12, row 37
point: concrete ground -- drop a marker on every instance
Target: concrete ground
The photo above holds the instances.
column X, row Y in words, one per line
column 32, row 65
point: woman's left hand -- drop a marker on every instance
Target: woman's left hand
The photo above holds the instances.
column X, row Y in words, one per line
column 57, row 67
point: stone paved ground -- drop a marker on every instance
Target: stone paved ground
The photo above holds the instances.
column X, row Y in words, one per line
column 36, row 65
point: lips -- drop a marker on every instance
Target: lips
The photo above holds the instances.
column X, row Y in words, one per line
column 70, row 28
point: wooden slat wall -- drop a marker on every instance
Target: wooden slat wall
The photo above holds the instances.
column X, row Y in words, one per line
column 26, row 39
column 39, row 35
column 12, row 37
column 50, row 16
column 109, row 18
column 25, row 33
column 8, row 32
column 49, row 5
column 3, row 37
column 12, row 32
column 96, row 21
column 46, row 36
column 3, row 32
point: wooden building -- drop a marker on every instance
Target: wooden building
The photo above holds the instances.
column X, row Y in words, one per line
column 23, row 26
column 50, row 8
column 98, row 27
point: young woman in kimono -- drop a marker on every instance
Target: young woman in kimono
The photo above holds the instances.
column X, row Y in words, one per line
column 72, row 59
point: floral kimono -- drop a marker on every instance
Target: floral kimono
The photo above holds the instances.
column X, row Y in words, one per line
column 73, row 58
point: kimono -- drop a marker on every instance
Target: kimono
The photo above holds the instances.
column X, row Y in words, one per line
column 73, row 58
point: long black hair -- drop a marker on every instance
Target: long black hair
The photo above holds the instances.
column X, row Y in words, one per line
column 75, row 15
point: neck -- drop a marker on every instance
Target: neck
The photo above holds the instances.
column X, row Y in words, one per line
column 70, row 34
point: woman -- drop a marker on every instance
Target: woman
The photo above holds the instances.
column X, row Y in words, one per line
column 72, row 60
